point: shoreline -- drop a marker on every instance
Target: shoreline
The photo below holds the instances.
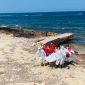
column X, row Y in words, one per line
column 29, row 33
column 19, row 31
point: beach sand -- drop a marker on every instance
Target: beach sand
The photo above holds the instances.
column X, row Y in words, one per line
column 18, row 66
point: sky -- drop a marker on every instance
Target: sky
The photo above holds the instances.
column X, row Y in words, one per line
column 9, row 6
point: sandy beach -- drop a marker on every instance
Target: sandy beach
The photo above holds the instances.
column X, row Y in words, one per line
column 18, row 66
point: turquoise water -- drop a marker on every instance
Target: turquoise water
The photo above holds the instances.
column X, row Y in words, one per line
column 59, row 22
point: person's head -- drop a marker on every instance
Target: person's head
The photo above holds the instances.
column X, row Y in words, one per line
column 62, row 47
column 52, row 45
column 67, row 45
column 58, row 46
column 39, row 45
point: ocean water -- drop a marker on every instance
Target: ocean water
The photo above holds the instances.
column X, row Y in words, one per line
column 59, row 22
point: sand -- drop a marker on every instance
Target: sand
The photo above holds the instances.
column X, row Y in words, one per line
column 18, row 66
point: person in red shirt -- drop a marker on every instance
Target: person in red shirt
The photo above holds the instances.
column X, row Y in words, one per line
column 46, row 49
column 52, row 48
column 49, row 50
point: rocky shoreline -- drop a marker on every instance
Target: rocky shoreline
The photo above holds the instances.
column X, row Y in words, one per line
column 18, row 31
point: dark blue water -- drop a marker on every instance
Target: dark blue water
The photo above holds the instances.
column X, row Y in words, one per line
column 59, row 22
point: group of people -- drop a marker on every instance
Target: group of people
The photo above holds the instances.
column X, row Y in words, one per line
column 51, row 53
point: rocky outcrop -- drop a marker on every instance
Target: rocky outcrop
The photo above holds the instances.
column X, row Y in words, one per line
column 21, row 32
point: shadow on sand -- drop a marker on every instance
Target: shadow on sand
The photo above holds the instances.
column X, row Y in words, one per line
column 65, row 65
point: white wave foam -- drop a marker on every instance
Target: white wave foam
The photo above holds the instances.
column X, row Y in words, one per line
column 26, row 15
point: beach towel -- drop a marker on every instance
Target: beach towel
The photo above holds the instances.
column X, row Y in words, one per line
column 51, row 58
column 55, row 57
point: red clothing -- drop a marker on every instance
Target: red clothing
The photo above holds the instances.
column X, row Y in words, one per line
column 67, row 55
column 69, row 49
column 52, row 48
column 46, row 50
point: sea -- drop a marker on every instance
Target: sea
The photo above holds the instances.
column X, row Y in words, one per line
column 59, row 22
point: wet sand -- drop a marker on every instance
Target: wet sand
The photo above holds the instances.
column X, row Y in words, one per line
column 18, row 67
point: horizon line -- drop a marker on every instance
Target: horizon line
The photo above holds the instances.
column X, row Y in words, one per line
column 44, row 11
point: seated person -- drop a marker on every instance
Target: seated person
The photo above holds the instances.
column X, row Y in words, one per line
column 46, row 49
column 52, row 48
